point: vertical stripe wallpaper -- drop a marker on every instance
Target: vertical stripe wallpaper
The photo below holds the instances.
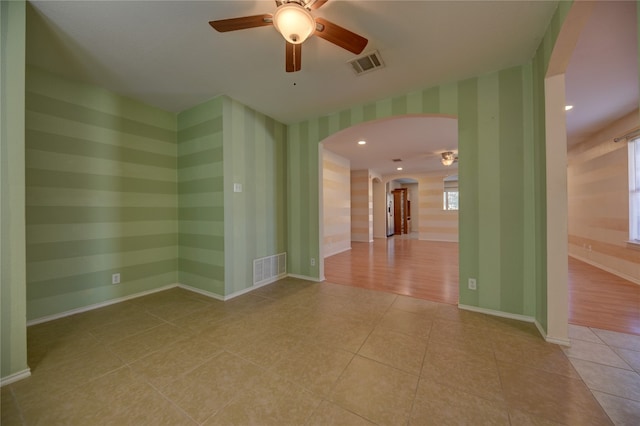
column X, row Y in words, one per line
column 337, row 210
column 255, row 223
column 13, row 331
column 535, row 237
column 100, row 195
column 491, row 114
column 598, row 190
column 361, row 206
column 200, row 195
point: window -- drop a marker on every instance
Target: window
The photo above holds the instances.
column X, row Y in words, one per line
column 634, row 190
column 450, row 194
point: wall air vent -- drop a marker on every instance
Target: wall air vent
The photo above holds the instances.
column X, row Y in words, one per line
column 396, row 160
column 367, row 63
column 269, row 269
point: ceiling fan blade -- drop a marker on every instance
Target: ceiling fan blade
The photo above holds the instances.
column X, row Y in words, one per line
column 316, row 4
column 234, row 24
column 340, row 36
column 293, row 57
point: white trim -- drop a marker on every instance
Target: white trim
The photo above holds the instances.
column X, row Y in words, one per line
column 342, row 250
column 97, row 305
column 12, row 378
column 304, row 277
column 606, row 268
column 501, row 314
column 517, row 317
column 202, row 292
column 634, row 244
column 557, row 206
column 167, row 287
column 232, row 295
column 562, row 342
column 321, row 254
column 239, row 292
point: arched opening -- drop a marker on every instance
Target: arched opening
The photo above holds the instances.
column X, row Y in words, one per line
column 399, row 156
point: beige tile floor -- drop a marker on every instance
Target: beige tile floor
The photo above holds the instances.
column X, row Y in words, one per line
column 300, row 353
column 609, row 364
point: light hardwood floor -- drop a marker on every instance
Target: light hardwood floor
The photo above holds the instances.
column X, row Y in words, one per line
column 429, row 270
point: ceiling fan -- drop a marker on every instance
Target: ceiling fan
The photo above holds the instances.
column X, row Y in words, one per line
column 448, row 158
column 294, row 21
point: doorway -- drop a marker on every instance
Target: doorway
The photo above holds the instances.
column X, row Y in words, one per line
column 400, row 211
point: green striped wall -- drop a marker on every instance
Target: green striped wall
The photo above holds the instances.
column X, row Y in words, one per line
column 201, row 197
column 496, row 182
column 13, row 333
column 535, row 237
column 255, row 222
column 101, row 195
column 221, row 232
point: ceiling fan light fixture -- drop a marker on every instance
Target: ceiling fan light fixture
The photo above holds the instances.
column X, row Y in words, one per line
column 294, row 22
column 448, row 158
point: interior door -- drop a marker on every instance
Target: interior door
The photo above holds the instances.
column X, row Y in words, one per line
column 400, row 211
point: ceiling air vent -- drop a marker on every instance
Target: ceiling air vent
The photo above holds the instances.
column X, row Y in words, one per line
column 369, row 62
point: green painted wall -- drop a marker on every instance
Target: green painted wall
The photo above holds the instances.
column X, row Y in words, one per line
column 201, row 197
column 221, row 232
column 536, row 237
column 496, row 182
column 101, row 195
column 13, row 340
column 117, row 186
column 255, row 222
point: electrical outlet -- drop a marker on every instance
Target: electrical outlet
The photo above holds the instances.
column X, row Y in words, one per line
column 472, row 284
column 115, row 278
column 313, row 261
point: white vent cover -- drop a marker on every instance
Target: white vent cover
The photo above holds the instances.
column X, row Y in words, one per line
column 367, row 63
column 269, row 269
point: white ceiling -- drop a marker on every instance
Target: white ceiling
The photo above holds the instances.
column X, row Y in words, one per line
column 602, row 76
column 165, row 54
column 417, row 141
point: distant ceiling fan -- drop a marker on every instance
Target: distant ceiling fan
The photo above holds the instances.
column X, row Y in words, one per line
column 448, row 158
column 294, row 21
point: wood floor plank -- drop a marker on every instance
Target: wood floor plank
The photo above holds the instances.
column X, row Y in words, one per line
column 429, row 270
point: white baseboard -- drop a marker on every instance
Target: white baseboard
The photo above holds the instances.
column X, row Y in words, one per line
column 167, row 287
column 243, row 291
column 202, row 292
column 518, row 317
column 304, row 277
column 606, row 268
column 562, row 342
column 97, row 305
column 333, row 253
column 15, row 377
column 495, row 313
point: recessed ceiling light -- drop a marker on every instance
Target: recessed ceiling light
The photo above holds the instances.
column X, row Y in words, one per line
column 568, row 107
column 362, row 142
column 399, row 168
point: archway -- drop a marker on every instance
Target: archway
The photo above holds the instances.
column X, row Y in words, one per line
column 418, row 161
